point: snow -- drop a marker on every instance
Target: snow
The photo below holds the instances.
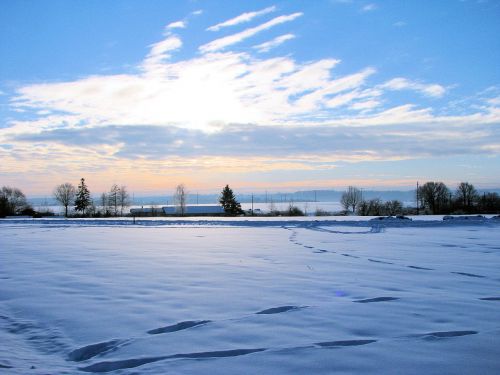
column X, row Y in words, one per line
column 250, row 296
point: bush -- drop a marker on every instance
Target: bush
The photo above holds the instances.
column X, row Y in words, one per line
column 294, row 211
column 321, row 212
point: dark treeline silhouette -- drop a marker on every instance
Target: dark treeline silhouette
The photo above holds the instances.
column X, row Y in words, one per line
column 432, row 198
column 437, row 198
column 377, row 207
column 13, row 202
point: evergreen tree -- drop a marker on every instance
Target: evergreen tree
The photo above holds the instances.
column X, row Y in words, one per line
column 82, row 200
column 229, row 203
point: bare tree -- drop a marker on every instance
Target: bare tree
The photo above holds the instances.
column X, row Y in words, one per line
column 351, row 198
column 12, row 201
column 393, row 207
column 466, row 194
column 65, row 194
column 104, row 204
column 489, row 203
column 180, row 199
column 434, row 196
column 113, row 198
column 123, row 199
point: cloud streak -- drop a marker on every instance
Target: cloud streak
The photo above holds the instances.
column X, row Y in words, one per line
column 227, row 41
column 267, row 46
column 332, row 144
column 242, row 18
column 433, row 90
column 176, row 25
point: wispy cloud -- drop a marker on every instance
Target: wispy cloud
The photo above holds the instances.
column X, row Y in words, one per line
column 316, row 147
column 160, row 52
column 369, row 7
column 242, row 18
column 212, row 90
column 227, row 41
column 267, row 46
column 176, row 25
column 433, row 89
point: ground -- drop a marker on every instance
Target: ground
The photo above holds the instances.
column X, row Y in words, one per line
column 243, row 297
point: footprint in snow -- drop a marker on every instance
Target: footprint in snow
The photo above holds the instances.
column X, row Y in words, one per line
column 337, row 344
column 421, row 268
column 468, row 274
column 377, row 299
column 178, row 326
column 490, row 299
column 278, row 310
column 90, row 351
column 444, row 334
column 136, row 362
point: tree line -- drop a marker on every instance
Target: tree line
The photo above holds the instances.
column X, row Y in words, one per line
column 111, row 203
column 432, row 198
column 437, row 198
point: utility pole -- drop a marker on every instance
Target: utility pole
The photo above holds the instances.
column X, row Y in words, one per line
column 252, row 204
column 197, row 198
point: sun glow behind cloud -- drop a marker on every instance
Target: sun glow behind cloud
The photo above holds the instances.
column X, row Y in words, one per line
column 226, row 89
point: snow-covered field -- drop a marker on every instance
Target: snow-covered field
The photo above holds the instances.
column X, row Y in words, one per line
column 244, row 297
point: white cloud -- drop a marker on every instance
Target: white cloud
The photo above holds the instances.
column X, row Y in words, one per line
column 227, row 41
column 369, row 7
column 212, row 90
column 433, row 90
column 365, row 105
column 176, row 25
column 159, row 52
column 267, row 46
column 494, row 101
column 242, row 18
column 399, row 24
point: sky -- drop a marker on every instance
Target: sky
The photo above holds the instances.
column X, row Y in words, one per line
column 259, row 95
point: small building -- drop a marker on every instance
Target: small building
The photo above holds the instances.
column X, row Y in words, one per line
column 194, row 210
column 146, row 211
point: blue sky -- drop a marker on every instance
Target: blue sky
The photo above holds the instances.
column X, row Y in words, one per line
column 260, row 95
